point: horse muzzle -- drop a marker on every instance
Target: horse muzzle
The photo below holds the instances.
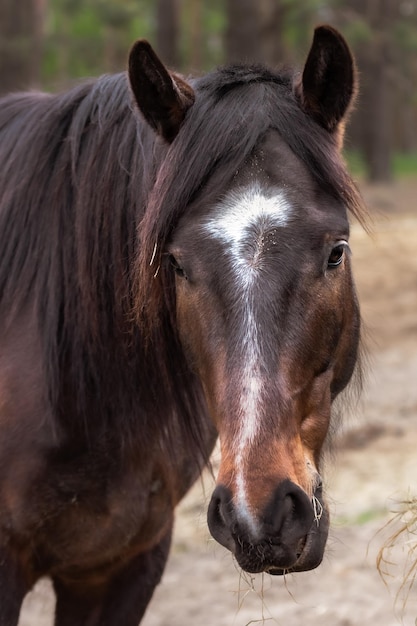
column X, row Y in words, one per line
column 288, row 536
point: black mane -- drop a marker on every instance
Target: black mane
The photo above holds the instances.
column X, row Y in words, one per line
column 75, row 173
column 89, row 190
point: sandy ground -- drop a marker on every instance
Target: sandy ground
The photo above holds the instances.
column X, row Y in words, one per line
column 374, row 468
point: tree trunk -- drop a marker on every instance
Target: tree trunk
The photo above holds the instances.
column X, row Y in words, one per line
column 21, row 31
column 372, row 127
column 377, row 114
column 167, row 32
column 243, row 41
column 195, row 8
column 273, row 15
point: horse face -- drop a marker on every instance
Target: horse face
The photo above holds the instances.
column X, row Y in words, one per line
column 265, row 304
column 269, row 321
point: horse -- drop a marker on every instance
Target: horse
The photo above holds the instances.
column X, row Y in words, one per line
column 175, row 269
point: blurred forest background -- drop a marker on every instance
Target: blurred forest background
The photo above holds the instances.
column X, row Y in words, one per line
column 49, row 43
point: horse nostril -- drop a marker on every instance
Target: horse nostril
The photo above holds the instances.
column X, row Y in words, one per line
column 290, row 512
column 219, row 517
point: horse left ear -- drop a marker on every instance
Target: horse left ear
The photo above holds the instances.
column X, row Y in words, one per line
column 163, row 97
column 328, row 82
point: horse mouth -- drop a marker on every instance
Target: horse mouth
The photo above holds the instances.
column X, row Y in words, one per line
column 309, row 554
column 279, row 560
column 281, row 571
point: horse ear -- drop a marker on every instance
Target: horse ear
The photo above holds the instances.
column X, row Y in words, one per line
column 328, row 82
column 162, row 97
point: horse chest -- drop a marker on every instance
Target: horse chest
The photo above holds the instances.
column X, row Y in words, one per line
column 83, row 521
column 105, row 521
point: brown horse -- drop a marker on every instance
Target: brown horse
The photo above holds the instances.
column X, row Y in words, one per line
column 168, row 276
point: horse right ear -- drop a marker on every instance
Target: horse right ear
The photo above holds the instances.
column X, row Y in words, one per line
column 162, row 97
column 328, row 83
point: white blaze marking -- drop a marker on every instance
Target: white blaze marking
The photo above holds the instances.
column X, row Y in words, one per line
column 243, row 218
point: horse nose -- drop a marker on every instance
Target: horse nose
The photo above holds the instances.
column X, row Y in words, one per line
column 278, row 532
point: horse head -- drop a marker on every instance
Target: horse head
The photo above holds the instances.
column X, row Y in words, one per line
column 260, row 267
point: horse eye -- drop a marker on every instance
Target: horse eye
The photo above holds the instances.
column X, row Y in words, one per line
column 177, row 267
column 336, row 255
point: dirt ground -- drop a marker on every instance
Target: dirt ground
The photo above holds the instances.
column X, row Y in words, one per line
column 374, row 468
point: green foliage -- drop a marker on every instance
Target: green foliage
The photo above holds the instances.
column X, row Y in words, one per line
column 358, row 31
column 87, row 38
column 356, row 163
column 405, row 164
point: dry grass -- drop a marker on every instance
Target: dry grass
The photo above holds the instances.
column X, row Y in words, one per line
column 402, row 528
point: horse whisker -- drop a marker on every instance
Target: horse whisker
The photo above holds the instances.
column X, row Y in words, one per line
column 153, row 254
column 318, row 509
